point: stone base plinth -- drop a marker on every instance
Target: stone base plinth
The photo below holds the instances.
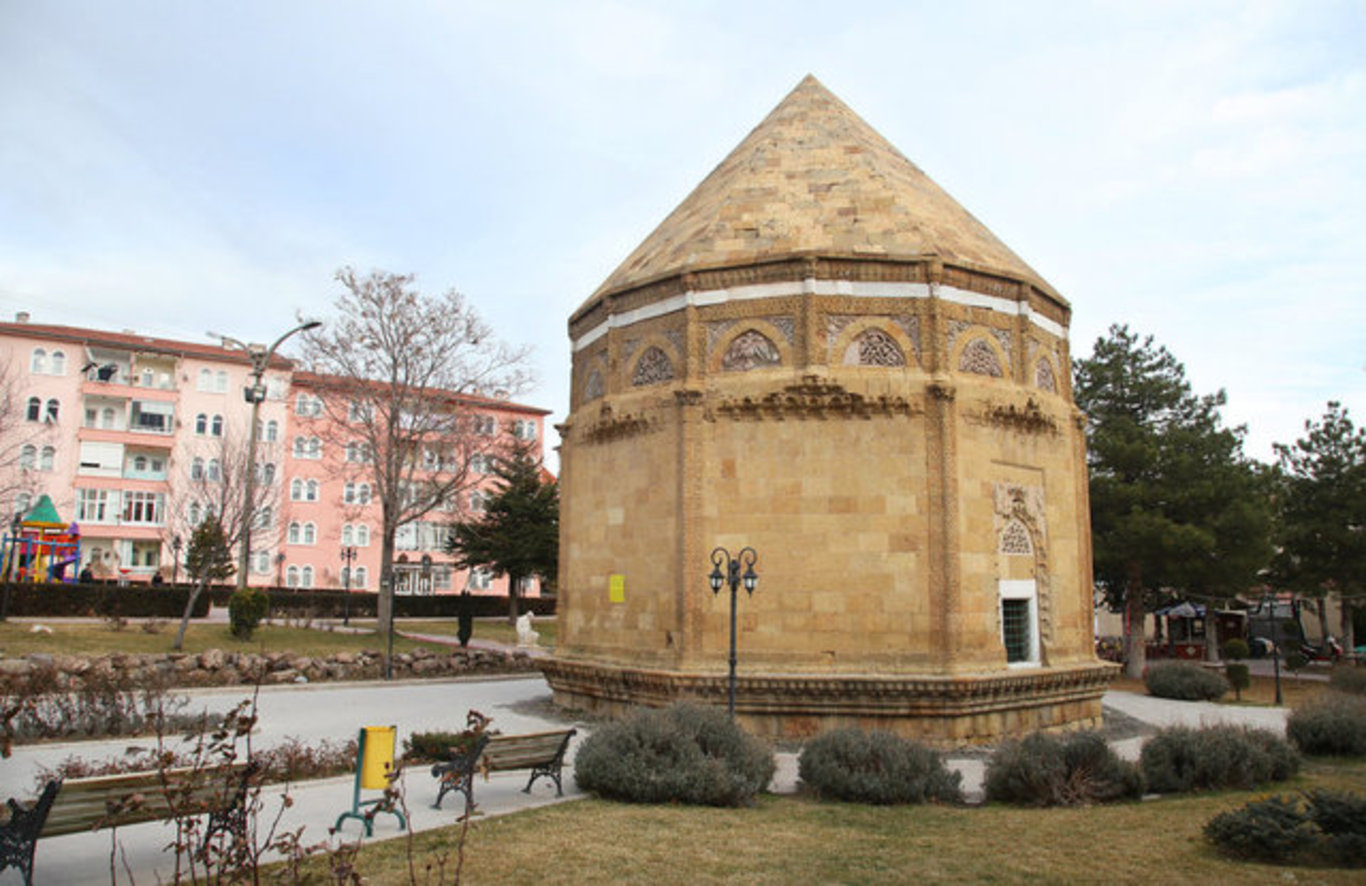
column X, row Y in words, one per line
column 941, row 711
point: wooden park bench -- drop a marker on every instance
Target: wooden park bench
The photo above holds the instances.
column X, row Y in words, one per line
column 109, row 801
column 541, row 752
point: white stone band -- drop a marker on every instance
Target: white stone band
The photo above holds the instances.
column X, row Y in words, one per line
column 853, row 288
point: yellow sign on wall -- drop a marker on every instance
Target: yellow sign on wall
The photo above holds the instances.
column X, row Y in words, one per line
column 616, row 589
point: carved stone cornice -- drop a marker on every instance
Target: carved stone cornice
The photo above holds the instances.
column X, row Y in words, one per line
column 834, row 696
column 812, row 398
column 1029, row 418
column 609, row 427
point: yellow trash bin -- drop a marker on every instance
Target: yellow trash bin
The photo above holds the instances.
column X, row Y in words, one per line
column 378, row 748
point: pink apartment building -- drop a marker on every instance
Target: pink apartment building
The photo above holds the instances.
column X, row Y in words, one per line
column 136, row 439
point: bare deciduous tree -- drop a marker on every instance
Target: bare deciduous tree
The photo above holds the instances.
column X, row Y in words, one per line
column 209, row 485
column 407, row 381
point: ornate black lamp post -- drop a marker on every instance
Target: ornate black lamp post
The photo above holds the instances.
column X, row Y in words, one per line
column 255, row 393
column 348, row 556
column 747, row 558
column 175, row 558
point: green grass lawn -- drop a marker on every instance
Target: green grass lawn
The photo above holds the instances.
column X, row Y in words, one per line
column 800, row 840
column 494, row 629
column 17, row 638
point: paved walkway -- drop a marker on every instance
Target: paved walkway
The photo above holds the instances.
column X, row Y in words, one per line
column 336, row 711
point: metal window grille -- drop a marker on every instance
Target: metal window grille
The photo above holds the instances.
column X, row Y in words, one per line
column 1016, row 629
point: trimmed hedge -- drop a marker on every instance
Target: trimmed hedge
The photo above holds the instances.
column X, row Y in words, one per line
column 1333, row 724
column 1051, row 770
column 304, row 602
column 680, row 754
column 1184, row 681
column 1349, row 680
column 1215, row 757
column 98, row 600
column 876, row 767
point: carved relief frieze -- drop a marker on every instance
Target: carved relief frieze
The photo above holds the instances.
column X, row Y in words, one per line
column 653, row 367
column 716, row 330
column 1029, row 418
column 1044, row 379
column 608, row 426
column 1006, row 338
column 911, row 326
column 978, row 358
column 956, row 328
column 812, row 398
column 873, row 347
column 677, row 338
column 628, row 348
column 750, row 350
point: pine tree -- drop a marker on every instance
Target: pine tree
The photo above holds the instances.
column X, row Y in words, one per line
column 207, row 558
column 518, row 534
column 1322, row 510
column 1176, row 508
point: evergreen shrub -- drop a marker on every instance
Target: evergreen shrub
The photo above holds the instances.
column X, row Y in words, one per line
column 1070, row 770
column 1329, row 827
column 246, row 609
column 1215, row 757
column 876, row 767
column 680, row 754
column 1236, row 649
column 1184, row 681
column 1333, row 724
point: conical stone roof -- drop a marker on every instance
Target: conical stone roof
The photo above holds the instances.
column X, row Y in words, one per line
column 815, row 179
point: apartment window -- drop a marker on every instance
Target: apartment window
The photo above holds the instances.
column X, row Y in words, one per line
column 310, row 534
column 362, row 535
column 441, row 577
column 358, row 452
column 363, row 494
column 212, row 473
column 308, row 447
column 347, row 536
column 148, row 377
column 201, row 423
column 28, row 456
column 204, row 382
column 263, row 517
column 152, row 417
column 46, row 457
column 308, row 406
column 217, row 427
column 58, row 363
column 306, row 577
column 295, row 532
column 479, row 463
column 292, row 577
column 478, row 501
column 260, row 562
column 107, row 418
column 53, row 409
column 311, row 490
column 197, row 470
column 35, row 409
column 39, row 364
column 22, row 502
column 358, row 412
column 296, row 489
column 272, row 431
column 480, row 579
column 524, row 430
column 140, row 463
column 192, row 513
column 267, row 475
column 485, row 425
column 220, row 380
column 142, row 507
column 361, row 577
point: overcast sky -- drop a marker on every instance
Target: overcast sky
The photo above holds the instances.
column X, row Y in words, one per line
column 1194, row 169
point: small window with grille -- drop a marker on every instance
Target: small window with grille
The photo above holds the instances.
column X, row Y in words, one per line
column 1015, row 629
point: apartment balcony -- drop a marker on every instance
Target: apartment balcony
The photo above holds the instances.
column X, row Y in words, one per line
column 120, row 387
column 142, row 438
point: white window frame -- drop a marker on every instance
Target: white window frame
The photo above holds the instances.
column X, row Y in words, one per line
column 1021, row 589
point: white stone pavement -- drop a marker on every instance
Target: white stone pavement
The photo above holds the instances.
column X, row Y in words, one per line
column 336, row 711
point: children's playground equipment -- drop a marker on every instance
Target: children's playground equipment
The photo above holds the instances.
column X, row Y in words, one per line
column 40, row 547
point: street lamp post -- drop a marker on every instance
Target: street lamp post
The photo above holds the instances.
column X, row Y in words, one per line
column 260, row 359
column 348, row 556
column 175, row 558
column 732, row 577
